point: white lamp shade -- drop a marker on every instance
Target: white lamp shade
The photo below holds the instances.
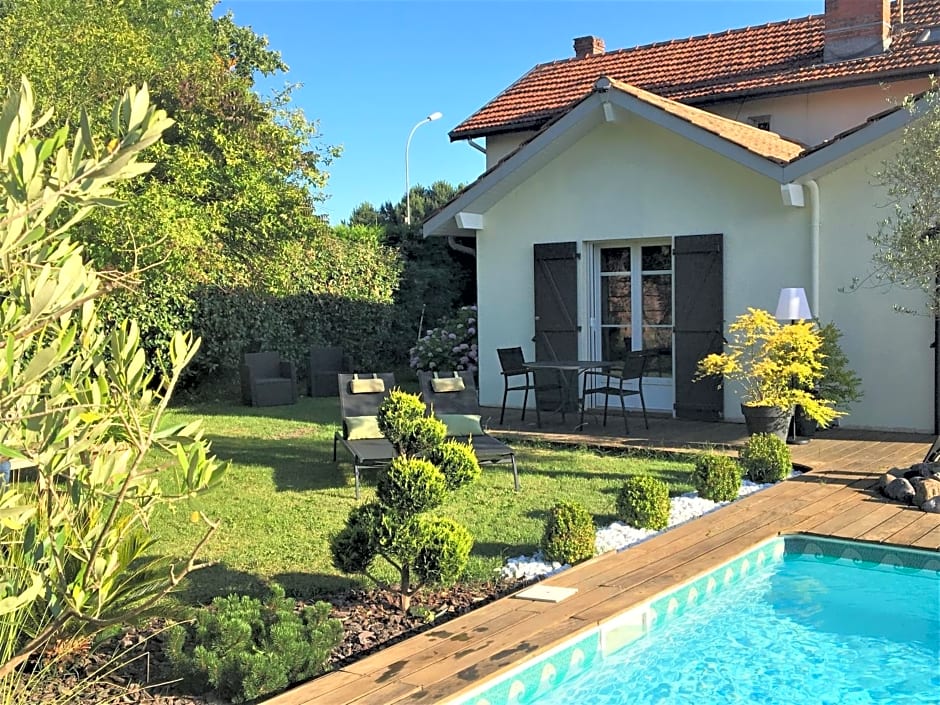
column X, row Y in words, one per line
column 792, row 305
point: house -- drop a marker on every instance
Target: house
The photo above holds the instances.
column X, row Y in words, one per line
column 644, row 197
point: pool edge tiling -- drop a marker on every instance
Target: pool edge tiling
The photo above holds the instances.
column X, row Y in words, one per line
column 837, row 500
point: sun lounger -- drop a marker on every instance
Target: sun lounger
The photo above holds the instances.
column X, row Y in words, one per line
column 452, row 397
column 360, row 396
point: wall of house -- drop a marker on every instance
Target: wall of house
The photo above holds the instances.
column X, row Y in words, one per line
column 812, row 118
column 889, row 350
column 498, row 146
column 625, row 180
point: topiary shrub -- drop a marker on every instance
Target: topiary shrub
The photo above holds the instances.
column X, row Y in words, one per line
column 643, row 501
column 243, row 648
column 569, row 533
column 422, row 548
column 766, row 458
column 716, row 477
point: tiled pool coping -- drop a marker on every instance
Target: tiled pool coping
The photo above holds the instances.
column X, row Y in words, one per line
column 533, row 678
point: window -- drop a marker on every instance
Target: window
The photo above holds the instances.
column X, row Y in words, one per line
column 931, row 35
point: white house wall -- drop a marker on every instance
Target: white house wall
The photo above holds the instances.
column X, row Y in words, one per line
column 498, row 146
column 624, row 180
column 889, row 350
column 814, row 117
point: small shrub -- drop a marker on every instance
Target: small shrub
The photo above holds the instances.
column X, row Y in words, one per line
column 716, row 477
column 458, row 463
column 398, row 414
column 243, row 648
column 569, row 533
column 643, row 501
column 411, row 486
column 450, row 346
column 445, row 550
column 766, row 458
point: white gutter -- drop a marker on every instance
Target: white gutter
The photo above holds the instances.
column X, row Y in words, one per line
column 814, row 245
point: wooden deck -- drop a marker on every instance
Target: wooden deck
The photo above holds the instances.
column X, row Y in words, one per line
column 835, row 499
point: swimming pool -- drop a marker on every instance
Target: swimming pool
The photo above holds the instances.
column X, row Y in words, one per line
column 797, row 619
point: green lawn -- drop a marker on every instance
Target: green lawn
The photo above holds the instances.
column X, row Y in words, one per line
column 283, row 498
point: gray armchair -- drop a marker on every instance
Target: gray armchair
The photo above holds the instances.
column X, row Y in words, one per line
column 324, row 364
column 267, row 380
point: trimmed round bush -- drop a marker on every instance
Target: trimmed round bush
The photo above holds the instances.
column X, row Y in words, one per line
column 356, row 545
column 766, row 458
column 458, row 463
column 398, row 414
column 411, row 486
column 444, row 550
column 643, row 502
column 716, row 477
column 569, row 533
column 427, row 433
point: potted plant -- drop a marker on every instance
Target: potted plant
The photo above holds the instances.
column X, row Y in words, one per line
column 839, row 383
column 775, row 365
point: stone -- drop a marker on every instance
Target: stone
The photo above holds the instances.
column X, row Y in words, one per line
column 926, row 469
column 932, row 505
column 926, row 490
column 899, row 490
column 897, row 472
column 886, row 480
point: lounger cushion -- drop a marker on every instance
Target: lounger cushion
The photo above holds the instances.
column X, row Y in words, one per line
column 462, row 424
column 362, row 427
column 366, row 386
column 447, row 384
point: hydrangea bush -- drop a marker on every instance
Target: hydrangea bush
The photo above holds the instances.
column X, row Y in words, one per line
column 451, row 346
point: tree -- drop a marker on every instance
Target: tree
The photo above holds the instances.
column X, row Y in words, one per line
column 907, row 244
column 76, row 400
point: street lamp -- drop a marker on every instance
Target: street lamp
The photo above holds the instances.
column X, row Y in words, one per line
column 430, row 118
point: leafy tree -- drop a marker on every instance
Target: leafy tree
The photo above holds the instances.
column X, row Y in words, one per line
column 76, row 400
column 907, row 243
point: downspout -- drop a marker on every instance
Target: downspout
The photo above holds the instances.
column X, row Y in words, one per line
column 814, row 219
column 457, row 247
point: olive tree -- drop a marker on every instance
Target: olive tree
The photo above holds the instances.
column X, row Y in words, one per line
column 77, row 402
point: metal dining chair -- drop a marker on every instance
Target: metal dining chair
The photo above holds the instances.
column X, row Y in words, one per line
column 512, row 364
column 612, row 382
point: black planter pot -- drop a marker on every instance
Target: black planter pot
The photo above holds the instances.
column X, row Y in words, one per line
column 805, row 426
column 767, row 419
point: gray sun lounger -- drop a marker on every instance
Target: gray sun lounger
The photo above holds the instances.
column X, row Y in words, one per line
column 464, row 401
column 360, row 396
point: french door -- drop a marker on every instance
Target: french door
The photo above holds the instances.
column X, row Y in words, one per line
column 631, row 308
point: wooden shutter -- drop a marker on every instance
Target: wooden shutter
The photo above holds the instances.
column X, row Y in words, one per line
column 699, row 321
column 556, row 314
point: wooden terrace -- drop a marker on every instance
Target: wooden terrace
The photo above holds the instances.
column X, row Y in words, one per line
column 836, row 498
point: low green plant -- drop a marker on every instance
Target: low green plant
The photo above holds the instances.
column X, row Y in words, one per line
column 569, row 533
column 716, row 477
column 422, row 548
column 643, row 501
column 766, row 458
column 243, row 648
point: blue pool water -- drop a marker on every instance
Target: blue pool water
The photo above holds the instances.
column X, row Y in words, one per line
column 800, row 628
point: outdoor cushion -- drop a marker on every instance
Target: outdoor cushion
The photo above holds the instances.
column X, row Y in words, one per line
column 462, row 424
column 366, row 386
column 447, row 384
column 362, row 427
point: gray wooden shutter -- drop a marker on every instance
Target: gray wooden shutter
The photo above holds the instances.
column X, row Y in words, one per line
column 556, row 313
column 699, row 321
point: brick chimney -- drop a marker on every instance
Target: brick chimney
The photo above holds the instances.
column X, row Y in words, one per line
column 588, row 46
column 856, row 28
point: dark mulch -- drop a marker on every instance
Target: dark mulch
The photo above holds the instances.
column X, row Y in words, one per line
column 371, row 620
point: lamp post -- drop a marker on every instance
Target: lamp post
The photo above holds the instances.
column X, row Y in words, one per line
column 430, row 118
column 793, row 306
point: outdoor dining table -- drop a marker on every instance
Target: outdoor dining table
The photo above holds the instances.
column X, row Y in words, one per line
column 568, row 373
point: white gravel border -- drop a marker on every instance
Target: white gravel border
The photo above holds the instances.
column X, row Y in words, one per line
column 618, row 536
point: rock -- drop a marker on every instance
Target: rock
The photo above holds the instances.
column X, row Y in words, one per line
column 897, row 472
column 899, row 490
column 912, row 474
column 926, row 469
column 886, row 480
column 926, row 490
column 932, row 505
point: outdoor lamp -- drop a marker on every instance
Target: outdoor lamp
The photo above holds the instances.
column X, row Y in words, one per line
column 792, row 305
column 430, row 118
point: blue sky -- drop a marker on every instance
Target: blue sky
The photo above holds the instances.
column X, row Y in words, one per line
column 371, row 70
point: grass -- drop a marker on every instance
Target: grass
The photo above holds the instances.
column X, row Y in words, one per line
column 283, row 497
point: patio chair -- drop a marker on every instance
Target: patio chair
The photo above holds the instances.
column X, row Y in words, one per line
column 452, row 397
column 267, row 380
column 933, row 455
column 323, row 364
column 360, row 396
column 611, row 383
column 512, row 364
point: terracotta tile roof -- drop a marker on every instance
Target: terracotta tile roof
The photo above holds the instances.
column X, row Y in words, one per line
column 775, row 57
column 761, row 142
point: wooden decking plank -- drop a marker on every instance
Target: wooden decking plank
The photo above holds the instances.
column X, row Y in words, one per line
column 309, row 694
column 846, row 514
column 872, row 519
column 902, row 517
column 913, row 531
column 931, row 539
